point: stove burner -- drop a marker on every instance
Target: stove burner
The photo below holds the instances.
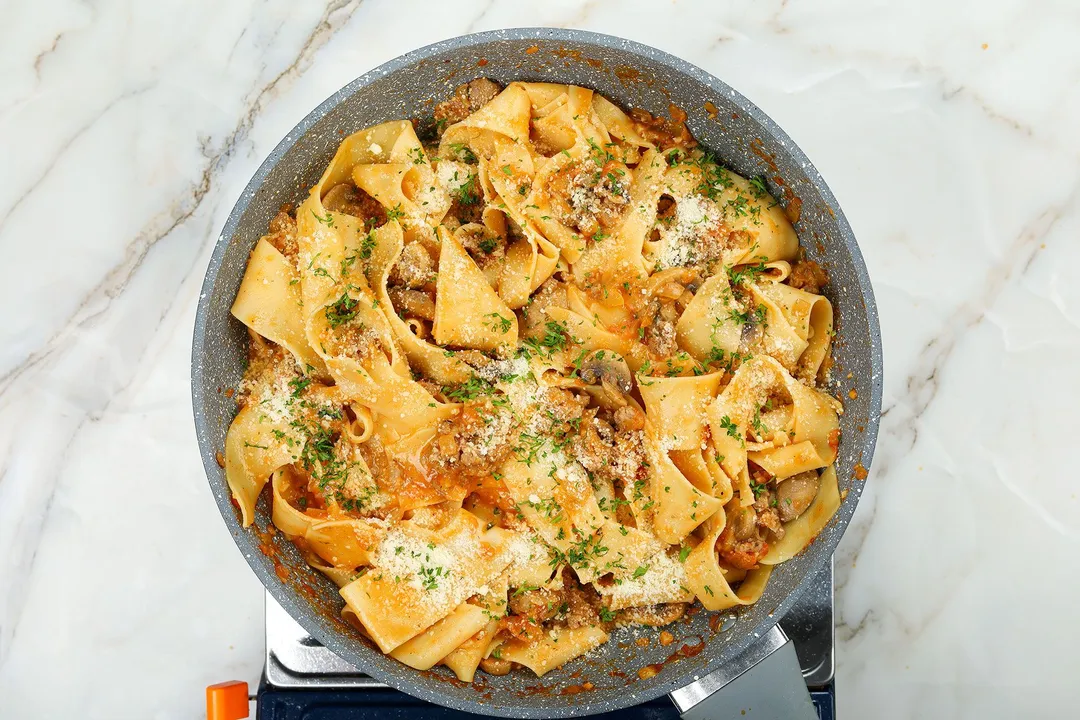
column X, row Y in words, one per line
column 301, row 674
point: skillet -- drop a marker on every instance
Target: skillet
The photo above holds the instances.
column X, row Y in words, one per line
column 732, row 128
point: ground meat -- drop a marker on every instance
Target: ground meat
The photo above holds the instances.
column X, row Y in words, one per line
column 615, row 455
column 465, row 208
column 412, row 303
column 551, row 294
column 769, row 519
column 351, row 339
column 283, row 233
column 661, row 131
column 652, row 615
column 594, row 445
column 658, row 323
column 374, row 453
column 742, row 554
column 740, row 544
column 591, row 195
column 808, row 275
column 348, row 199
column 562, row 405
column 467, row 99
column 538, row 605
column 581, row 603
column 414, row 269
column 475, row 441
column 629, row 418
column 574, row 604
column 482, row 244
column 267, row 361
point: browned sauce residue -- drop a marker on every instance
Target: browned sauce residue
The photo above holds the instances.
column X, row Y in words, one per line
column 793, row 204
column 734, row 116
column 627, row 74
column 482, row 62
column 642, row 642
column 712, row 111
column 794, row 208
column 617, row 674
column 758, row 148
column 532, row 49
column 267, row 548
column 860, row 471
column 575, row 689
column 593, row 62
column 853, row 394
column 714, row 622
column 687, row 651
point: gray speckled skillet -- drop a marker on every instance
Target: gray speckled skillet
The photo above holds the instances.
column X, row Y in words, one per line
column 631, row 75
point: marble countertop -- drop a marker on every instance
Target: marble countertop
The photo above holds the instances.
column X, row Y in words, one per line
column 947, row 130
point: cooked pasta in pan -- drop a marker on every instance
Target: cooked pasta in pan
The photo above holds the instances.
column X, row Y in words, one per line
column 551, row 371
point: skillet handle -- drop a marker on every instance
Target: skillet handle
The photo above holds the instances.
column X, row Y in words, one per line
column 764, row 682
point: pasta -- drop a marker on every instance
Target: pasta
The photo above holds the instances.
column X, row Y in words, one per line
column 550, row 371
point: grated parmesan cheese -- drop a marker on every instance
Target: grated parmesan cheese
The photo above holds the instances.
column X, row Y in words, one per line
column 432, row 568
column 663, row 581
column 681, row 244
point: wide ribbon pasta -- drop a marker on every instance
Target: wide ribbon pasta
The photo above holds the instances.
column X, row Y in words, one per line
column 548, row 372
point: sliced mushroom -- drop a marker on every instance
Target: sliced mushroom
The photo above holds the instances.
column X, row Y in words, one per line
column 496, row 666
column 603, row 367
column 795, row 494
column 743, row 522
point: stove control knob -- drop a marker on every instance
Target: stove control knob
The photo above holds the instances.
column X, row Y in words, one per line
column 227, row 701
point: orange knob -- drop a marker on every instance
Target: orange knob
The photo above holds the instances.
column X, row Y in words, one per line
column 227, row 701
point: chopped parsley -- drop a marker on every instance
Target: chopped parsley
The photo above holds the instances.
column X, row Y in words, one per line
column 367, row 245
column 556, row 337
column 498, row 322
column 730, row 428
column 342, row 310
column 472, row 388
column 744, row 274
column 757, row 187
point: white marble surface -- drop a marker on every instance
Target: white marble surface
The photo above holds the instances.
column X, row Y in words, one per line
column 948, row 131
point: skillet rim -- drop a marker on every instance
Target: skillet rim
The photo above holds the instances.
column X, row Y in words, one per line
column 370, row 660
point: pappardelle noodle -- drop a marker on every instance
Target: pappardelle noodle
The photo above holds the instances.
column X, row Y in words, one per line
column 551, row 371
